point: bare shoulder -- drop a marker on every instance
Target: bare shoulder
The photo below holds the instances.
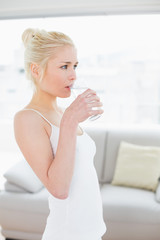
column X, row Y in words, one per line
column 28, row 122
column 27, row 119
column 23, row 116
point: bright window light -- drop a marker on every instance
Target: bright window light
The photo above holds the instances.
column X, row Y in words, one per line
column 119, row 57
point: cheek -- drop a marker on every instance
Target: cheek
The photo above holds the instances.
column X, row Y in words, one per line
column 53, row 83
column 53, row 79
column 59, row 78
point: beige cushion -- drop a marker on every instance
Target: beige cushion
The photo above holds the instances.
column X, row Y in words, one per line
column 137, row 166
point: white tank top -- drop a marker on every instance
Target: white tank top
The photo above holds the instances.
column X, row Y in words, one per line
column 80, row 216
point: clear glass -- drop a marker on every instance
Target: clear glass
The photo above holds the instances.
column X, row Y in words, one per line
column 80, row 87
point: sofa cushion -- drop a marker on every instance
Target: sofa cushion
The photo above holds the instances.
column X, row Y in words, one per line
column 24, row 212
column 22, row 175
column 25, row 202
column 137, row 166
column 129, row 205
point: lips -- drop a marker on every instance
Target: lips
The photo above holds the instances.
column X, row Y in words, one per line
column 70, row 86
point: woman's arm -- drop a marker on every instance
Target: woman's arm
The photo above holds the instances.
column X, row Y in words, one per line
column 31, row 135
column 34, row 142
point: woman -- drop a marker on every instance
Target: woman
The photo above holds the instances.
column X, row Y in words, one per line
column 58, row 150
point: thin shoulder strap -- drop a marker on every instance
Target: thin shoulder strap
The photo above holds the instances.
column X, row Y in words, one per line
column 39, row 114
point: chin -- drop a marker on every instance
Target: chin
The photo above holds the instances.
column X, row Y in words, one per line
column 66, row 95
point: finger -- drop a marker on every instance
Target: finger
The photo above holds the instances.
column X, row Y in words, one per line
column 88, row 93
column 95, row 112
column 93, row 98
column 95, row 104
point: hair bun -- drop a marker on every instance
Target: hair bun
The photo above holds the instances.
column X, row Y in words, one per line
column 27, row 35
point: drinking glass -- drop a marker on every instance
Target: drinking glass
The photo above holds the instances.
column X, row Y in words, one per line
column 78, row 88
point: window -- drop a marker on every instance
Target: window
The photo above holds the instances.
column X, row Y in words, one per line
column 119, row 57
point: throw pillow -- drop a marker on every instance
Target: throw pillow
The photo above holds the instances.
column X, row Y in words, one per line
column 9, row 187
column 22, row 175
column 137, row 166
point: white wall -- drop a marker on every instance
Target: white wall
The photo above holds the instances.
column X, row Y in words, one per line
column 40, row 8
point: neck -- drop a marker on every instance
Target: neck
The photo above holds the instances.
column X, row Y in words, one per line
column 43, row 101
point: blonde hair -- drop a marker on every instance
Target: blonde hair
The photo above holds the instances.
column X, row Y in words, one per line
column 40, row 46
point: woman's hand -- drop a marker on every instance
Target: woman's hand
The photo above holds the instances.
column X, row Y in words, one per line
column 82, row 106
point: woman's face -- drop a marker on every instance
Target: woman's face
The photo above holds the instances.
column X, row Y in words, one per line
column 60, row 73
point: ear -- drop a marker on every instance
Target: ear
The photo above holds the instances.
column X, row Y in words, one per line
column 35, row 70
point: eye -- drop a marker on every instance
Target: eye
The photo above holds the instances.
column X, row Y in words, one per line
column 75, row 66
column 64, row 67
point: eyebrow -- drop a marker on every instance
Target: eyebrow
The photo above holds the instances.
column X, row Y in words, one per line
column 69, row 62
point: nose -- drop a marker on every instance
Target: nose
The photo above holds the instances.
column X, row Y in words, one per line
column 72, row 75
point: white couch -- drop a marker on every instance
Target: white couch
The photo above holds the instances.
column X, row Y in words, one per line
column 129, row 213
